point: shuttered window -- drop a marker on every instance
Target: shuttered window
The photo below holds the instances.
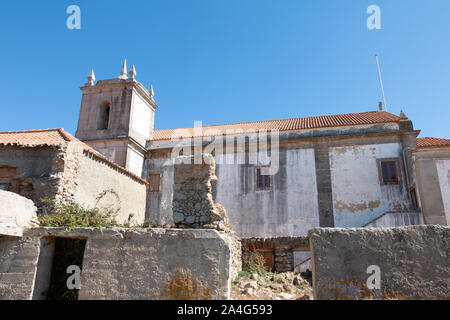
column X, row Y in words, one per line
column 154, row 181
column 389, row 171
column 262, row 181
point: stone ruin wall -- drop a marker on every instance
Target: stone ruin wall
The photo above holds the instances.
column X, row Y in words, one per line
column 413, row 262
column 193, row 204
column 129, row 264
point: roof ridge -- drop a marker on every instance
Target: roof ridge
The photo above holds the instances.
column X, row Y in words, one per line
column 432, row 142
column 33, row 130
column 433, row 138
column 284, row 119
column 67, row 136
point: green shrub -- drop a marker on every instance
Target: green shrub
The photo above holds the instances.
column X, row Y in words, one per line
column 72, row 215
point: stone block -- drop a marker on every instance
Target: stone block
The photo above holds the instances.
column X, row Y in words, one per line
column 413, row 262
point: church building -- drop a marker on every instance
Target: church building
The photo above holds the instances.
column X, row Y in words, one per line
column 275, row 178
column 343, row 170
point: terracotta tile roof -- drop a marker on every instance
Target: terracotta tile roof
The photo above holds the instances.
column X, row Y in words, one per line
column 338, row 120
column 42, row 137
column 428, row 142
column 52, row 137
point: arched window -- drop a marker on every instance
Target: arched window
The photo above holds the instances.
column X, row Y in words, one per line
column 103, row 118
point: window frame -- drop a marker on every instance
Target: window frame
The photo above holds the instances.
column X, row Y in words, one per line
column 397, row 169
column 264, row 187
column 150, row 185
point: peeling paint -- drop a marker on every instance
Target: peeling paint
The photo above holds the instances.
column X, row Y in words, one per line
column 358, row 196
column 354, row 207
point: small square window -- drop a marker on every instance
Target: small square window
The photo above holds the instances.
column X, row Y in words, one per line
column 389, row 171
column 262, row 181
column 154, row 182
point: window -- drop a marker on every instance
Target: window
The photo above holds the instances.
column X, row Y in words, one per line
column 389, row 171
column 262, row 181
column 103, row 117
column 154, row 180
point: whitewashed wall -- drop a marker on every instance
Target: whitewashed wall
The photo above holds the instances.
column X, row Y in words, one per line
column 141, row 119
column 135, row 162
column 443, row 169
column 159, row 204
column 289, row 209
column 358, row 196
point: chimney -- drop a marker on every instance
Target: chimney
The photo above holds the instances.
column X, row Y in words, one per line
column 380, row 106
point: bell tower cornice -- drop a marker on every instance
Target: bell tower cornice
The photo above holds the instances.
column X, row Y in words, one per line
column 121, row 83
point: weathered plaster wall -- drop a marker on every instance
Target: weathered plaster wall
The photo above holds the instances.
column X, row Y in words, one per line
column 142, row 117
column 413, row 262
column 114, row 150
column 159, row 204
column 443, row 169
column 289, row 208
column 358, row 195
column 118, row 263
column 396, row 219
column 326, row 177
column 432, row 172
column 135, row 161
column 96, row 176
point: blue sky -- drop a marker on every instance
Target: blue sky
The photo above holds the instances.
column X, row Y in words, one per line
column 228, row 61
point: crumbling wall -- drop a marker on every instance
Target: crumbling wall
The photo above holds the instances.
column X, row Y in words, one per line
column 193, row 204
column 413, row 262
column 66, row 172
column 118, row 263
column 35, row 171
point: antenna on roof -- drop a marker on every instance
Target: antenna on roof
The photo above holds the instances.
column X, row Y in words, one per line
column 381, row 82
